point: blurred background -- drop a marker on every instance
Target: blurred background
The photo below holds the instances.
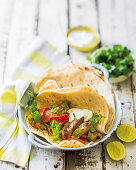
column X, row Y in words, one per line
column 22, row 20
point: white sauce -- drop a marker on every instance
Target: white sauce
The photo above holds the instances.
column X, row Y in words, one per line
column 87, row 114
column 80, row 38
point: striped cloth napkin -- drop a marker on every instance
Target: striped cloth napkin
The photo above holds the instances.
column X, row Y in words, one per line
column 14, row 144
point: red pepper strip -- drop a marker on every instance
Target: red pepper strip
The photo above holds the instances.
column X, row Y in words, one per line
column 42, row 113
column 84, row 135
column 79, row 140
column 62, row 117
column 35, row 126
column 63, row 121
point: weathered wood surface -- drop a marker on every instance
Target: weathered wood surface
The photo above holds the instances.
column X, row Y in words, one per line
column 21, row 21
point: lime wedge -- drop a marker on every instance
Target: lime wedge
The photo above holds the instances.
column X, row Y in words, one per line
column 126, row 133
column 116, row 150
column 8, row 96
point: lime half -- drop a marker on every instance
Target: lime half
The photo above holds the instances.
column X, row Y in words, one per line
column 116, row 150
column 126, row 133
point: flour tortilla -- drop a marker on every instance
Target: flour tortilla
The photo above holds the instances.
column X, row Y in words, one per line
column 80, row 97
column 71, row 144
column 74, row 75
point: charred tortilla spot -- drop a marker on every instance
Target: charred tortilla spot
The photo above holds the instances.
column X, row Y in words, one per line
column 87, row 68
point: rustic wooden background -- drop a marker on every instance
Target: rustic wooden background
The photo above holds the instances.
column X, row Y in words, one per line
column 22, row 20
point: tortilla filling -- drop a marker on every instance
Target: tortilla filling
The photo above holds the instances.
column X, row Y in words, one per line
column 63, row 122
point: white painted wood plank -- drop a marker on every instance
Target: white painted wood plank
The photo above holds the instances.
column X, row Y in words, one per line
column 6, row 11
column 5, row 21
column 23, row 31
column 46, row 159
column 114, row 23
column 53, row 23
column 52, row 27
column 83, row 12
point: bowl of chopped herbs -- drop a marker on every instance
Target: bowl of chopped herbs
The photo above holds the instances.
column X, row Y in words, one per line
column 117, row 59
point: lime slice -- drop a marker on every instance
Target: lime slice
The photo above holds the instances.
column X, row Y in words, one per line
column 116, row 150
column 126, row 133
column 83, row 38
column 8, row 96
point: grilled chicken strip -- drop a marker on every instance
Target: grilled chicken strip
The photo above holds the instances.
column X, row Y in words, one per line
column 57, row 111
column 70, row 127
column 83, row 128
column 94, row 136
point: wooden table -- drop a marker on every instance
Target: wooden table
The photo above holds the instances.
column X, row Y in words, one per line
column 22, row 20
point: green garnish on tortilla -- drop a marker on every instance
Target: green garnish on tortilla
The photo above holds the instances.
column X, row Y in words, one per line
column 56, row 128
column 95, row 120
column 35, row 114
column 55, row 110
column 78, row 132
column 74, row 116
column 117, row 60
column 63, row 106
column 21, row 105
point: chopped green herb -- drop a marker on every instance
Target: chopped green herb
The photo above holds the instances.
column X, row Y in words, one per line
column 66, row 110
column 92, row 129
column 30, row 117
column 63, row 111
column 53, row 123
column 31, row 94
column 52, row 107
column 63, row 106
column 21, row 105
column 89, row 58
column 55, row 137
column 95, row 120
column 74, row 116
column 78, row 132
column 56, row 128
column 55, row 110
column 117, row 59
column 37, row 116
column 33, row 106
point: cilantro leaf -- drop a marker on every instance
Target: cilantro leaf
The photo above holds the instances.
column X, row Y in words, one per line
column 37, row 116
column 21, row 105
column 78, row 132
column 95, row 120
column 56, row 128
column 117, row 59
column 55, row 110
column 74, row 116
column 30, row 117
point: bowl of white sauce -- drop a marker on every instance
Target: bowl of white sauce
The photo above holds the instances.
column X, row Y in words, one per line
column 83, row 38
